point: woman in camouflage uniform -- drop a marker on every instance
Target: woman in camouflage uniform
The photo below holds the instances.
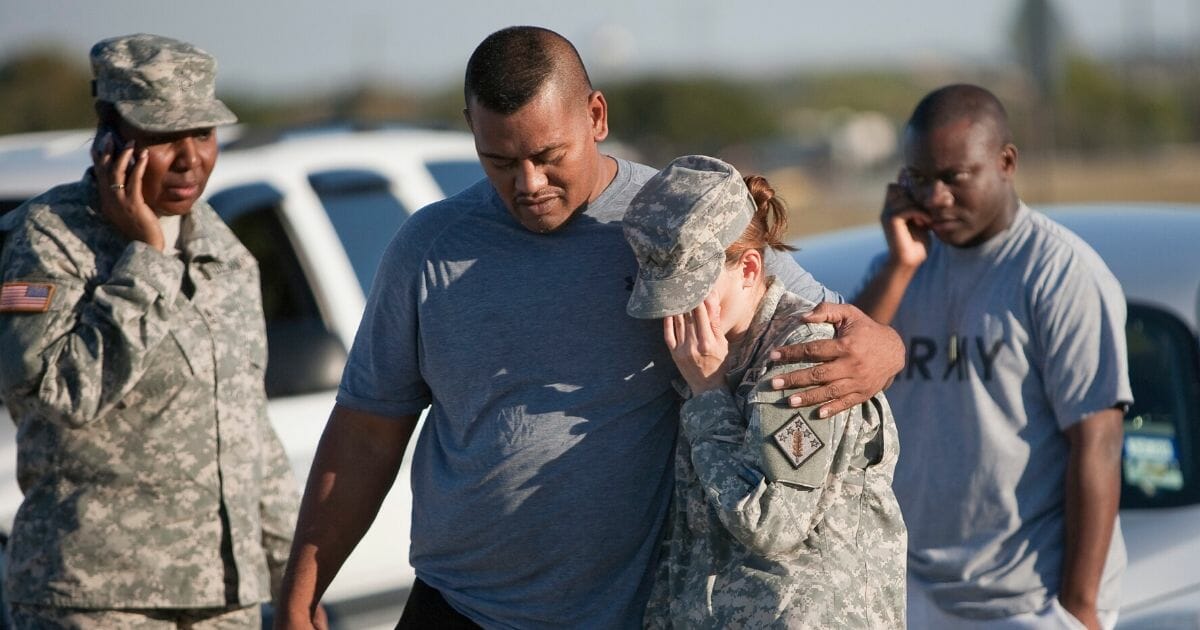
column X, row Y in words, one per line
column 781, row 518
column 132, row 350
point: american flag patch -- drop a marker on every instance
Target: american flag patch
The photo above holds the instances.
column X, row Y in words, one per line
column 25, row 297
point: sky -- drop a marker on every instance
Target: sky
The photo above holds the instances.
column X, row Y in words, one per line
column 294, row 47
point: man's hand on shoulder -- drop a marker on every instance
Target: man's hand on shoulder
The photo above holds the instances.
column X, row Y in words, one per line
column 857, row 363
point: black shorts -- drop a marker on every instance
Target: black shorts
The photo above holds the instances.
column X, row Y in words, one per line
column 426, row 608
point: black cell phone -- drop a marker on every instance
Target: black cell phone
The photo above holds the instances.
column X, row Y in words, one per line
column 906, row 182
column 119, row 144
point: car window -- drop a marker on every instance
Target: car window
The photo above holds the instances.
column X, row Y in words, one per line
column 251, row 211
column 10, row 204
column 303, row 355
column 455, row 176
column 1160, row 463
column 365, row 214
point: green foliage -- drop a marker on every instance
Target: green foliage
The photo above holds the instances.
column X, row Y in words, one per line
column 1097, row 110
column 42, row 90
column 1095, row 106
column 891, row 93
column 444, row 107
column 667, row 116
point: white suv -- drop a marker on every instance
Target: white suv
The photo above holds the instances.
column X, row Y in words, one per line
column 316, row 208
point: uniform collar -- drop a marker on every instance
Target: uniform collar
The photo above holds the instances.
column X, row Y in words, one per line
column 203, row 236
column 758, row 327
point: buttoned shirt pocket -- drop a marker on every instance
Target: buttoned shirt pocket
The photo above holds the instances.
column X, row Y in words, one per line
column 844, row 517
column 228, row 343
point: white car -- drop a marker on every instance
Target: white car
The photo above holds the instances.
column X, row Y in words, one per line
column 316, row 208
column 1153, row 253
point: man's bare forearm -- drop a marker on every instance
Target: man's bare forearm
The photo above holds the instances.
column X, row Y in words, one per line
column 881, row 297
column 355, row 465
column 1093, row 492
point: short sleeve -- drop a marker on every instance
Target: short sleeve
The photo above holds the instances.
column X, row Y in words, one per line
column 797, row 280
column 1080, row 313
column 382, row 374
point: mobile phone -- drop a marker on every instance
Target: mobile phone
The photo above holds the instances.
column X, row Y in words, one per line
column 906, row 183
column 119, row 144
column 909, row 186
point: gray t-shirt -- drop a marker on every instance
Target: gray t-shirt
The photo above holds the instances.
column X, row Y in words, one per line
column 1009, row 344
column 541, row 476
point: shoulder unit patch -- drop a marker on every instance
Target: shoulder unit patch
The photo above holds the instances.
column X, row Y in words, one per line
column 798, row 441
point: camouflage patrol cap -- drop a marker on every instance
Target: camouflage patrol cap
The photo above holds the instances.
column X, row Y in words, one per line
column 158, row 84
column 679, row 226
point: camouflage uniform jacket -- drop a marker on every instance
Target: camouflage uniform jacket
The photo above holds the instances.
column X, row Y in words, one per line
column 781, row 520
column 143, row 441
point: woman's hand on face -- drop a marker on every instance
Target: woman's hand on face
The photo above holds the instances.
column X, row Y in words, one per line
column 698, row 346
column 120, row 190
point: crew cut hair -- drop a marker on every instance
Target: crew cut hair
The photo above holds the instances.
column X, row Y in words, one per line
column 960, row 101
column 511, row 66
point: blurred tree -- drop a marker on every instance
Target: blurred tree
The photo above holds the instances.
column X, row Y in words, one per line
column 1098, row 111
column 366, row 104
column 253, row 110
column 1037, row 35
column 665, row 117
column 44, row 89
column 1096, row 106
column 892, row 93
column 444, row 106
column 374, row 102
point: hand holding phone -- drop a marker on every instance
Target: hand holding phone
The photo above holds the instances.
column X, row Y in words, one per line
column 106, row 135
column 905, row 223
column 118, row 175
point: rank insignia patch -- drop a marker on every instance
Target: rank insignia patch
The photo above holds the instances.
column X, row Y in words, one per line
column 798, row 441
column 25, row 297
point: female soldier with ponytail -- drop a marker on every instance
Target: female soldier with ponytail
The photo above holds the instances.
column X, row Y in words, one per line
column 781, row 518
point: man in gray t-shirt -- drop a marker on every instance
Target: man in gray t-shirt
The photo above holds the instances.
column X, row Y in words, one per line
column 1010, row 407
column 541, row 476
